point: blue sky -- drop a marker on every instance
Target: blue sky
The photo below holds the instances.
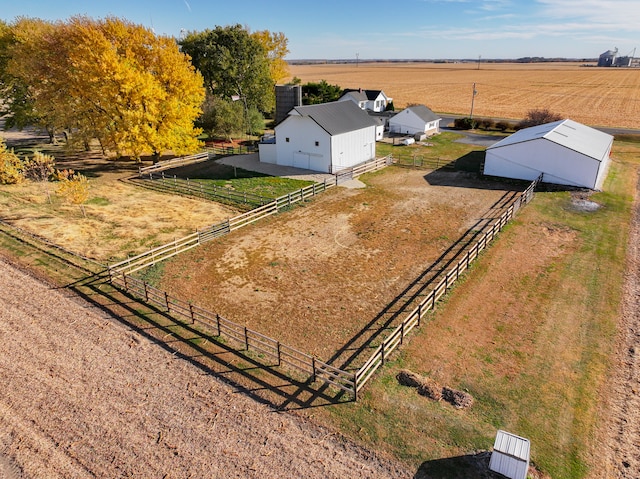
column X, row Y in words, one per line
column 404, row 29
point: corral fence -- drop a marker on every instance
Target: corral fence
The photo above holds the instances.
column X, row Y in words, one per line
column 414, row 318
column 420, row 161
column 198, row 189
column 173, row 163
column 273, row 353
column 347, row 174
column 218, row 150
column 155, row 255
column 278, row 353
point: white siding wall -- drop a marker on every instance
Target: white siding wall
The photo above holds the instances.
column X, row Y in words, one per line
column 407, row 122
column 353, row 147
column 303, row 133
column 268, row 153
column 527, row 160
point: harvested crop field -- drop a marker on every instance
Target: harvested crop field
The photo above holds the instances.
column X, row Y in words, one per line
column 319, row 277
column 594, row 96
column 83, row 396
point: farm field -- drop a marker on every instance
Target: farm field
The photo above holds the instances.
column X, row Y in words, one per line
column 593, row 96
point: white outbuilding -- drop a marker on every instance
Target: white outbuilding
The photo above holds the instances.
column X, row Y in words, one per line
column 327, row 137
column 415, row 120
column 564, row 152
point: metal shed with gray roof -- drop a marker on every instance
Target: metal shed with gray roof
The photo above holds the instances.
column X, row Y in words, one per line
column 564, row 152
column 327, row 137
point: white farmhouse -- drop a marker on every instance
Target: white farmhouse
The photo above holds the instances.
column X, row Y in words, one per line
column 417, row 119
column 327, row 137
column 564, row 152
column 371, row 100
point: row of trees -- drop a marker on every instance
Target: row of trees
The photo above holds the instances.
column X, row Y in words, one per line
column 131, row 90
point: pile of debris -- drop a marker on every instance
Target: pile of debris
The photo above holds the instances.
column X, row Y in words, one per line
column 431, row 389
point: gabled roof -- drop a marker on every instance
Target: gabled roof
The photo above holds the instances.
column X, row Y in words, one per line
column 336, row 117
column 423, row 113
column 363, row 94
column 568, row 133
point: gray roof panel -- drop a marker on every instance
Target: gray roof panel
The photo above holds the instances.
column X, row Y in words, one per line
column 337, row 117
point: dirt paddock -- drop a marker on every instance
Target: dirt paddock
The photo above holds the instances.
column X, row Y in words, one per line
column 319, row 277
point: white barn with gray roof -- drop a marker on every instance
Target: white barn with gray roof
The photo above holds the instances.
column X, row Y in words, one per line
column 327, row 137
column 564, row 152
column 417, row 119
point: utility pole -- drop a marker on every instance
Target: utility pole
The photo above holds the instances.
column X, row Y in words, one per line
column 357, row 59
column 479, row 57
column 473, row 97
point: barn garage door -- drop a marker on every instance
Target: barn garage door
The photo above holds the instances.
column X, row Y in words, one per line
column 301, row 160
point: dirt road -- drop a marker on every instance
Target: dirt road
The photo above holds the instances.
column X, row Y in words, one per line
column 82, row 396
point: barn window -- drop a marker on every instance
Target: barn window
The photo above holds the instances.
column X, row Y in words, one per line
column 287, row 139
column 317, row 143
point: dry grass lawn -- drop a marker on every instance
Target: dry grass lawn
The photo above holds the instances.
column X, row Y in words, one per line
column 594, row 96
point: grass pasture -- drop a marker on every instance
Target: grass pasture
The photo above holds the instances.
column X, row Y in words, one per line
column 593, row 96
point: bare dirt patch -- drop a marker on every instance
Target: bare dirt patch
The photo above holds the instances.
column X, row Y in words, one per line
column 318, row 276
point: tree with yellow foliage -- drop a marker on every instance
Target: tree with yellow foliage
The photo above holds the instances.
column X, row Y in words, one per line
column 276, row 46
column 73, row 187
column 110, row 80
column 11, row 168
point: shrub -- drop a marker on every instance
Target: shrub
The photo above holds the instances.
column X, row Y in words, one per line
column 40, row 167
column 504, row 126
column 464, row 123
column 11, row 167
column 538, row 117
column 486, row 124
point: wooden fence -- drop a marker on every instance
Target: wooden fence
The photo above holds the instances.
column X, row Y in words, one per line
column 199, row 189
column 151, row 257
column 355, row 171
column 173, row 163
column 414, row 318
column 270, row 348
column 269, row 351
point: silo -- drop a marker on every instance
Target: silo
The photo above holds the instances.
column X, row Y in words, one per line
column 287, row 98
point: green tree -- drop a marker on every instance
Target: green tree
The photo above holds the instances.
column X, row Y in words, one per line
column 221, row 117
column 234, row 65
column 320, row 92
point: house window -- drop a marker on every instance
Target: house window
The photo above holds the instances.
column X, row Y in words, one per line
column 317, row 143
column 286, row 139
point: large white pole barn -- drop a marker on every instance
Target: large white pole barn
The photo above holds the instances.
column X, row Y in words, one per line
column 564, row 152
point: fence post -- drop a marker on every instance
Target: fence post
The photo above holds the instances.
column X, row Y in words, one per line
column 193, row 319
column 419, row 314
column 218, row 323
column 313, row 366
column 124, row 280
column 355, row 386
column 401, row 333
column 166, row 300
column 146, row 293
column 278, row 349
column 382, row 354
column 246, row 339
